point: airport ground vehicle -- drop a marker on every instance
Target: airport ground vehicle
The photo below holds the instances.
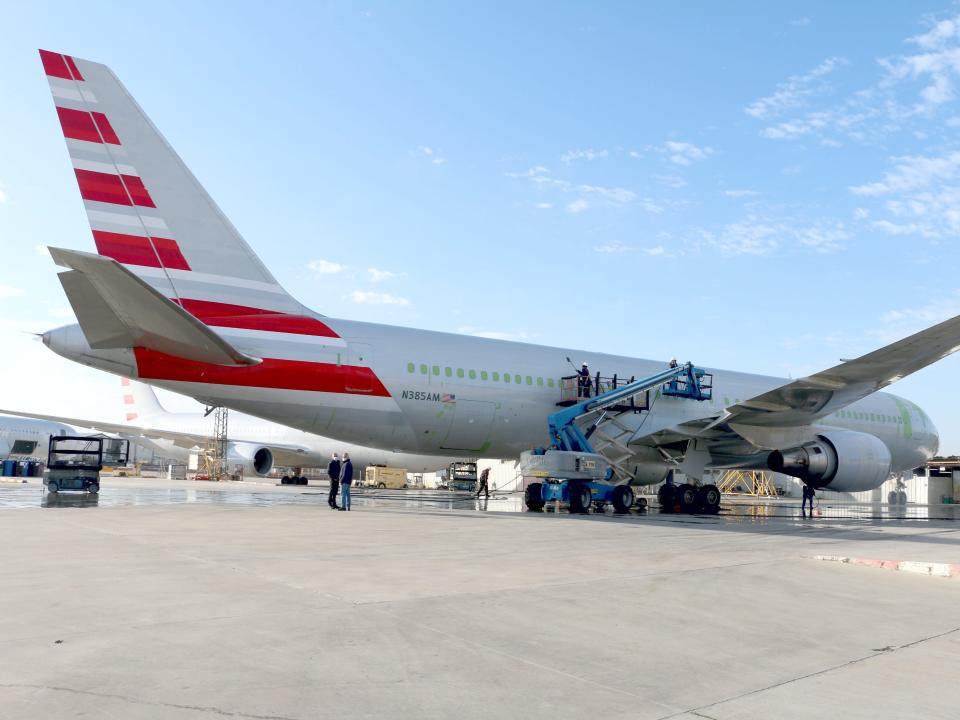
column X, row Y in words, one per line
column 74, row 463
column 573, row 470
column 377, row 476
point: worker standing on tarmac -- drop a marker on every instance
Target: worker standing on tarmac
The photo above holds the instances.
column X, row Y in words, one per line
column 484, row 486
column 333, row 472
column 808, row 495
column 346, row 480
column 583, row 381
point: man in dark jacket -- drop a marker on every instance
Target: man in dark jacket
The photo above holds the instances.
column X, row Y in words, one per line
column 333, row 472
column 346, row 480
column 484, row 483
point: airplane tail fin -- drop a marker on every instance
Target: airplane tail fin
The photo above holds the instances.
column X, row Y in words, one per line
column 146, row 209
column 139, row 401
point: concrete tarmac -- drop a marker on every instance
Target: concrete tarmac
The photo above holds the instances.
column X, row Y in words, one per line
column 266, row 604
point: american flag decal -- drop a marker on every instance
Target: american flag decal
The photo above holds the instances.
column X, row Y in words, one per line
column 447, row 397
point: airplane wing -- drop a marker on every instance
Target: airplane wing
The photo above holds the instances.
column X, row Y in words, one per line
column 284, row 453
column 809, row 398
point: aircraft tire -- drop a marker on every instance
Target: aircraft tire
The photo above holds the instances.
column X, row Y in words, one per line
column 641, row 503
column 708, row 498
column 687, row 495
column 93, row 488
column 666, row 497
column 533, row 497
column 580, row 498
column 52, row 486
column 902, row 497
column 622, row 499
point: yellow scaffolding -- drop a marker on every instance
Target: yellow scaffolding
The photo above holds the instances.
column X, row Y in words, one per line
column 747, row 482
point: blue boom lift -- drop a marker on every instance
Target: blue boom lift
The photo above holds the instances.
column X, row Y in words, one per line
column 572, row 471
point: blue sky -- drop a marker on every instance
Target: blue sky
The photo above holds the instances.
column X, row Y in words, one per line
column 761, row 186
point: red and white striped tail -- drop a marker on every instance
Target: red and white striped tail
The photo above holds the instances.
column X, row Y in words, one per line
column 139, row 401
column 148, row 211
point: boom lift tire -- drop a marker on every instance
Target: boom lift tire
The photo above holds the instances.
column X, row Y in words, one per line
column 580, row 498
column 666, row 497
column 687, row 496
column 622, row 499
column 708, row 498
column 533, row 497
column 93, row 488
column 52, row 486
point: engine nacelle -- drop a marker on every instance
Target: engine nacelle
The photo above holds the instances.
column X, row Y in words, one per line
column 840, row 460
column 256, row 459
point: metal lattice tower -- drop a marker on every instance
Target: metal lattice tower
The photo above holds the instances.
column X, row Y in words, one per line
column 215, row 452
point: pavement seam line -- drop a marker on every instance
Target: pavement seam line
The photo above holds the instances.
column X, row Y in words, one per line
column 136, row 701
column 816, row 673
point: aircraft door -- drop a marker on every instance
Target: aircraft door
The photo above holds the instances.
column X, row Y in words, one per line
column 359, row 376
column 470, row 427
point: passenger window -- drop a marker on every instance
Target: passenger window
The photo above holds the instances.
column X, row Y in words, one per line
column 529, row 380
column 506, row 377
column 473, row 374
column 459, row 372
column 496, row 376
column 411, row 367
column 423, row 369
column 483, row 375
column 448, row 372
column 436, row 369
column 549, row 382
column 539, row 382
column 517, row 379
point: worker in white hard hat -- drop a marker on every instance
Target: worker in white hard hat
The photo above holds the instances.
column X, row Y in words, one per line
column 673, row 362
column 583, row 381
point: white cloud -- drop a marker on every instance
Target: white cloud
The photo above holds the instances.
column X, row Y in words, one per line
column 800, row 22
column 824, row 239
column 591, row 154
column 432, row 154
column 794, row 92
column 42, row 250
column 363, row 297
column 659, row 251
column 578, row 205
column 60, row 312
column 543, row 205
column 493, row 334
column 3, row 196
column 8, row 291
column 860, row 213
column 589, row 195
column 325, row 267
column 684, row 153
column 740, row 193
column 613, row 247
column 376, row 275
column 912, row 173
column 762, row 236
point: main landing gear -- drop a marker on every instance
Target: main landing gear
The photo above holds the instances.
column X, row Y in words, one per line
column 688, row 498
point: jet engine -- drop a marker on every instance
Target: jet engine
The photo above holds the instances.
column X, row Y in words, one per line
column 840, row 460
column 256, row 459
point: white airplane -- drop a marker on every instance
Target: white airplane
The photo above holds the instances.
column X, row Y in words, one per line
column 178, row 299
column 22, row 438
column 257, row 445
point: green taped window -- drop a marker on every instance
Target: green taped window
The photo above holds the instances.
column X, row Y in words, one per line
column 423, row 369
column 411, row 367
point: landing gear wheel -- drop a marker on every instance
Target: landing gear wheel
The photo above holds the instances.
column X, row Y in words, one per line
column 666, row 497
column 93, row 488
column 708, row 498
column 52, row 486
column 687, row 496
column 902, row 497
column 381, row 485
column 580, row 498
column 893, row 497
column 285, row 480
column 533, row 497
column 642, row 504
column 622, row 499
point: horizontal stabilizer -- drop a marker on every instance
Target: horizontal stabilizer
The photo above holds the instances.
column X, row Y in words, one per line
column 115, row 309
